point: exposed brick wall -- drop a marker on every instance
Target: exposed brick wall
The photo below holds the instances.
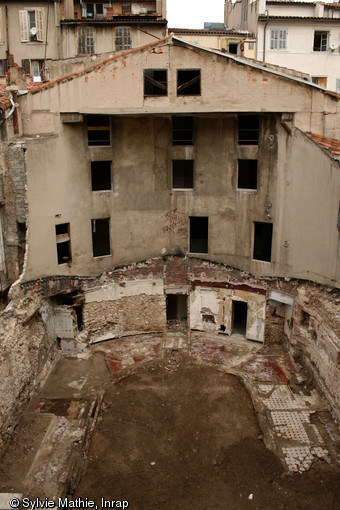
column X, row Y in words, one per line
column 133, row 313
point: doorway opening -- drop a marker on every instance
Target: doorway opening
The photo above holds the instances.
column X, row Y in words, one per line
column 240, row 317
column 176, row 307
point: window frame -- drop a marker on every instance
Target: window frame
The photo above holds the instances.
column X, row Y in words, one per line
column 249, row 141
column 271, row 243
column 93, row 170
column 176, row 140
column 87, row 45
column 124, row 45
column 238, row 188
column 323, row 44
column 278, row 39
column 63, row 238
column 24, row 25
column 190, row 237
column 104, row 127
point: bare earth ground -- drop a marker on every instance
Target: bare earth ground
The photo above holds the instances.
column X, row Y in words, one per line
column 189, row 439
column 177, row 430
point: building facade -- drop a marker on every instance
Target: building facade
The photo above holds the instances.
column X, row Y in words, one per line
column 299, row 35
column 34, row 34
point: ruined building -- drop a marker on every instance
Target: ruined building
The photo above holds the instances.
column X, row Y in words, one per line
column 169, row 181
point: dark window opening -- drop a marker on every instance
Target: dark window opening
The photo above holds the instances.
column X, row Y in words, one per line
column 183, row 173
column 79, row 315
column 189, row 82
column 98, row 129
column 183, row 130
column 240, row 317
column 21, row 243
column 176, row 306
column 263, row 241
column 248, row 129
column 63, row 243
column 90, row 10
column 101, row 175
column 155, row 82
column 247, row 174
column 3, row 66
column 198, row 234
column 320, row 41
column 222, row 328
column 233, row 48
column 101, row 237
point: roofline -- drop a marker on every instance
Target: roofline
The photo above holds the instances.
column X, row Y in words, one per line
column 308, row 135
column 258, row 65
column 263, row 17
column 181, row 42
column 208, row 31
column 123, row 21
column 98, row 65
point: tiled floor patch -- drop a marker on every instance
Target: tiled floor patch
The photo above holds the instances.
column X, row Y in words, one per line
column 266, row 370
column 299, row 459
column 290, row 425
column 282, row 398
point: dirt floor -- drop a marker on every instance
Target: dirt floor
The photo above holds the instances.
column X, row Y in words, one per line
column 182, row 435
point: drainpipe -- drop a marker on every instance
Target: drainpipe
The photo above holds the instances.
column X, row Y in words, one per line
column 264, row 35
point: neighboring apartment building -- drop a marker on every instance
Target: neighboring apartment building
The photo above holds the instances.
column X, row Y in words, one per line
column 33, row 33
column 298, row 35
column 231, row 41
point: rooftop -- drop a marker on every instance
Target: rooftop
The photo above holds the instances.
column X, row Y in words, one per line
column 331, row 145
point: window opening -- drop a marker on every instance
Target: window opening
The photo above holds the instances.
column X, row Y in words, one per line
column 320, row 80
column 122, row 38
column 182, row 174
column 31, row 25
column 85, row 40
column 101, row 237
column 278, row 39
column 198, row 234
column 63, row 243
column 263, row 233
column 248, row 129
column 320, row 41
column 155, row 82
column 98, row 129
column 176, row 307
column 101, row 175
column 183, row 130
column 247, row 174
column 240, row 317
column 3, row 66
column 189, row 82
column 233, row 48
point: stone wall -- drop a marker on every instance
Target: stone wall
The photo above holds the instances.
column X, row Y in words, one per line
column 314, row 337
column 26, row 354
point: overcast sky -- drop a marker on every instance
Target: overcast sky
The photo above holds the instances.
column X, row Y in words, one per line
column 193, row 13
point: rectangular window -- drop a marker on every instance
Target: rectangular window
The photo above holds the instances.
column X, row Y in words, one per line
column 155, row 82
column 183, row 130
column 182, row 174
column 189, row 82
column 263, row 233
column 247, row 174
column 198, row 234
column 101, row 175
column 98, row 129
column 3, row 66
column 320, row 80
column 126, row 8
column 122, row 38
column 63, row 239
column 31, row 25
column 278, row 39
column 248, row 129
column 85, row 40
column 320, row 41
column 251, row 45
column 37, row 69
column 101, row 237
column 92, row 10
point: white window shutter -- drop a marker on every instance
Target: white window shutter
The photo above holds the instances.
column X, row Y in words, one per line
column 39, row 24
column 23, row 22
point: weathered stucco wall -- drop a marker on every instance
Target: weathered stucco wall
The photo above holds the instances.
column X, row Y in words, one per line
column 26, row 353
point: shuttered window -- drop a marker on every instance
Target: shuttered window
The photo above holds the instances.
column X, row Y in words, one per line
column 122, row 38
column 278, row 39
column 31, row 23
column 85, row 40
